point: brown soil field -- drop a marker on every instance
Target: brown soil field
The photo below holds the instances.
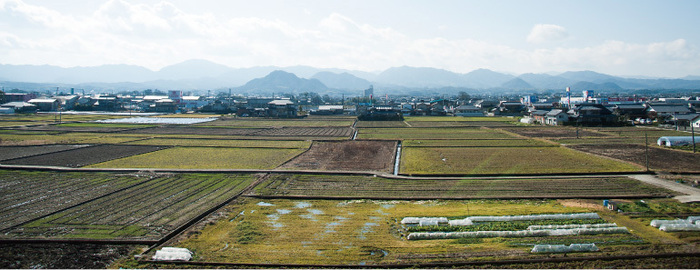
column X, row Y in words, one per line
column 347, row 155
column 10, row 152
column 84, row 156
column 60, row 255
column 660, row 159
column 314, row 132
column 553, row 132
column 353, row 186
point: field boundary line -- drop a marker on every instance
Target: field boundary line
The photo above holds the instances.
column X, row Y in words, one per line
column 297, row 155
column 322, row 172
column 419, row 198
column 432, row 265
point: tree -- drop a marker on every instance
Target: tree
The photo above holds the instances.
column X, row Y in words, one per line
column 327, row 99
column 2, row 97
column 463, row 96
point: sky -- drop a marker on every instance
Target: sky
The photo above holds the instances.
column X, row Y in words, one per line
column 622, row 37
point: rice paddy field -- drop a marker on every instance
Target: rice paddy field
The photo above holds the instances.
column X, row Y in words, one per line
column 505, row 160
column 206, row 158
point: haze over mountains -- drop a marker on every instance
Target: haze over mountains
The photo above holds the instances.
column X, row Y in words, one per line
column 205, row 75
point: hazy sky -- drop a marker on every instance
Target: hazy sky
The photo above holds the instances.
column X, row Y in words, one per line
column 637, row 37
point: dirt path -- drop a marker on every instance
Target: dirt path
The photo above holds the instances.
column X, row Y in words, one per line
column 693, row 194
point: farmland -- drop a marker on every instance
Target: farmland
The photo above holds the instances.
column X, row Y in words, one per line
column 661, row 159
column 157, row 205
column 366, row 232
column 39, row 193
column 505, row 160
column 223, row 143
column 449, row 166
column 206, row 158
column 83, row 156
column 430, row 133
column 353, row 186
column 347, row 156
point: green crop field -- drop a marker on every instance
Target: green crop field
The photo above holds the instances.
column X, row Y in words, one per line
column 145, row 211
column 505, row 160
column 349, row 186
column 366, row 232
column 205, row 158
column 224, row 143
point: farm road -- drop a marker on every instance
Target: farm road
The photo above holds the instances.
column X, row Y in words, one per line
column 693, row 193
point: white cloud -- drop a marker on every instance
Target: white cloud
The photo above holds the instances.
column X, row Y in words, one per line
column 541, row 33
column 156, row 35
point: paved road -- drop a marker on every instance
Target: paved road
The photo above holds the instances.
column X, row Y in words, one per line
column 693, row 194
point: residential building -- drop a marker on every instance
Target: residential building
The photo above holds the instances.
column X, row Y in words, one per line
column 556, row 117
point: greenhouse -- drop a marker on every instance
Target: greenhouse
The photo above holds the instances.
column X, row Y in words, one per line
column 687, row 227
column 533, row 217
column 571, row 226
column 424, row 220
column 677, row 140
column 525, row 233
column 657, row 223
column 564, row 248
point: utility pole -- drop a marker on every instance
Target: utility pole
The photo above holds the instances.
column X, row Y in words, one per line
column 646, row 149
column 692, row 133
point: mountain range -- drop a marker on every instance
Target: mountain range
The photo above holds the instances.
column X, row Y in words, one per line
column 206, row 75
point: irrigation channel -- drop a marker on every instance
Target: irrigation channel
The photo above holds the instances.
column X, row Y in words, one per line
column 397, row 159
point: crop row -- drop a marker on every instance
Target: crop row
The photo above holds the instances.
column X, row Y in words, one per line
column 27, row 195
column 144, row 211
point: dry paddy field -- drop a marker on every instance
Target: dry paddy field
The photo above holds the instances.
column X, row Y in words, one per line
column 375, row 187
column 206, row 158
column 505, row 160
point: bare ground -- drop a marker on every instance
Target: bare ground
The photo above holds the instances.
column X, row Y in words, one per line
column 347, row 155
